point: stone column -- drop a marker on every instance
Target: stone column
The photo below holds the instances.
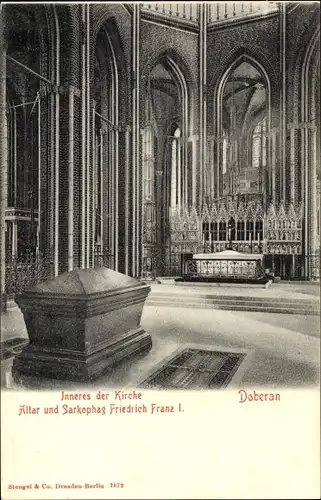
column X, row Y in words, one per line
column 186, row 169
column 14, row 249
column 71, row 181
column 173, row 149
column 292, row 129
column 83, row 144
column 272, row 138
column 158, row 219
column 283, row 70
column 136, row 187
column 194, row 139
column 308, row 158
column 202, row 79
column 127, row 191
column 210, row 153
column 88, row 139
column 3, row 162
column 94, row 181
column 312, row 136
column 219, row 174
column 179, row 175
column 56, row 176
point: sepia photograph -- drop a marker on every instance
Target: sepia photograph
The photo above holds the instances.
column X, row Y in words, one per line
column 160, row 221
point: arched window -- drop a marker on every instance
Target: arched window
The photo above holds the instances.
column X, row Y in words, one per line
column 243, row 102
column 176, row 169
column 259, row 145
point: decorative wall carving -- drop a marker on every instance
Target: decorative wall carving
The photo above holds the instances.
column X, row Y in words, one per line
column 283, row 230
column 282, row 227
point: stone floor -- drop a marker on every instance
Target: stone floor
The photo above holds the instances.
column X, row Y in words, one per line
column 283, row 290
column 285, row 348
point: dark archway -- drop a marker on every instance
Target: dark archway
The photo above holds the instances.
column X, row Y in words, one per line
column 243, row 101
column 167, row 111
column 106, row 158
column 311, row 174
column 32, row 34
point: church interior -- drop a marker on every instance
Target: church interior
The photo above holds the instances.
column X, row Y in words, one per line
column 178, row 144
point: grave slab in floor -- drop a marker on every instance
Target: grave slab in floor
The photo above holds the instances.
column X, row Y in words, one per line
column 196, row 367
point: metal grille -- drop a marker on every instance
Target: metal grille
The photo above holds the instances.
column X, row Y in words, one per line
column 103, row 258
column 315, row 267
column 196, row 369
column 23, row 274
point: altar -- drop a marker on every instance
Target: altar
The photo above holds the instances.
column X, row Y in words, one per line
column 226, row 265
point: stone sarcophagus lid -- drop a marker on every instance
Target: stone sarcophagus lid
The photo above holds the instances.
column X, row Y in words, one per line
column 81, row 323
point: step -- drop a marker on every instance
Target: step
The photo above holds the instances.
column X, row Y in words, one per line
column 241, row 305
column 193, row 294
column 222, row 300
column 233, row 307
column 244, row 301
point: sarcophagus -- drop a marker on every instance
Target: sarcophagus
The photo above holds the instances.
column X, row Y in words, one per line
column 82, row 323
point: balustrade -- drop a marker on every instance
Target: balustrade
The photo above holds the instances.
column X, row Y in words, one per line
column 216, row 11
column 234, row 10
column 182, row 10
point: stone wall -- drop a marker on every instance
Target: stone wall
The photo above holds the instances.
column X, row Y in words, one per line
column 61, row 29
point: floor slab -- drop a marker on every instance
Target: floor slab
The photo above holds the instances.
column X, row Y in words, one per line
column 286, row 347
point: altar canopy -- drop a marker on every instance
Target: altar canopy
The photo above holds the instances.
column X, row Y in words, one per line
column 227, row 264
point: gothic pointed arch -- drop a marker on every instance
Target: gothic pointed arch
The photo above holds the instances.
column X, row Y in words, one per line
column 110, row 112
column 309, row 163
column 242, row 100
column 168, row 107
column 32, row 37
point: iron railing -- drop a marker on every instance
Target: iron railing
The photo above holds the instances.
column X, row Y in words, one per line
column 314, row 265
column 103, row 258
column 24, row 273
